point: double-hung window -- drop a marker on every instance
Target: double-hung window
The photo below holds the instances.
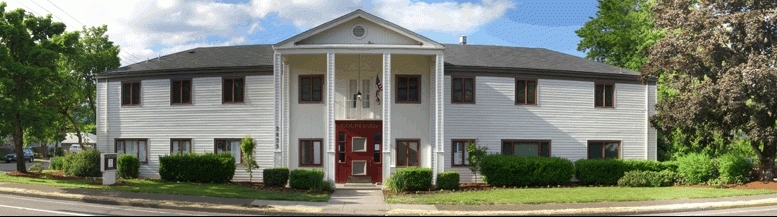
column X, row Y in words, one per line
column 181, row 92
column 459, row 152
column 233, row 90
column 525, row 92
column 310, row 153
column 130, row 93
column 408, row 89
column 463, row 90
column 603, row 95
column 311, row 88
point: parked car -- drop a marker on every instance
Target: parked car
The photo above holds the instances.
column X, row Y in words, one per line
column 75, row 148
column 28, row 155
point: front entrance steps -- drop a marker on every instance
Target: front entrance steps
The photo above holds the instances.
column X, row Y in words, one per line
column 359, row 186
column 359, row 179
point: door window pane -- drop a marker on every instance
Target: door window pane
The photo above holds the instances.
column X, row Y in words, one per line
column 359, row 144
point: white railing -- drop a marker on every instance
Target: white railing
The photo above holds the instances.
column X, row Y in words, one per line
column 345, row 110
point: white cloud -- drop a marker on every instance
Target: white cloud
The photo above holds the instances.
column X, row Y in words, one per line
column 147, row 28
column 449, row 17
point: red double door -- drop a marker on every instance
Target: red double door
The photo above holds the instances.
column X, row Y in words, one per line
column 358, row 151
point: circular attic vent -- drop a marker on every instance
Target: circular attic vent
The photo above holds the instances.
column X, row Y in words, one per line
column 359, row 31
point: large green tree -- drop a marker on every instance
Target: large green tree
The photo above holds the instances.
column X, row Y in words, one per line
column 723, row 53
column 94, row 53
column 30, row 47
column 620, row 33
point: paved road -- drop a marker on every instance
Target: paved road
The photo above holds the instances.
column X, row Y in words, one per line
column 8, row 167
column 11, row 205
column 749, row 211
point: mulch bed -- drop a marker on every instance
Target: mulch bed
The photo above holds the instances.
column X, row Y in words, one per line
column 749, row 185
column 58, row 175
column 260, row 186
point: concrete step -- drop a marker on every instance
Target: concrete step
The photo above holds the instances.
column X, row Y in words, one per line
column 358, row 186
column 359, row 179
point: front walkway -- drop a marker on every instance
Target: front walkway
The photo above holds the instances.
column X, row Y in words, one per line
column 349, row 201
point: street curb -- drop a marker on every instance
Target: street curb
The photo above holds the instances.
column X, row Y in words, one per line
column 162, row 204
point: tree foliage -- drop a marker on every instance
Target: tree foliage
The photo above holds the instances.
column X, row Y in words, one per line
column 620, row 33
column 248, row 145
column 29, row 49
column 475, row 156
column 94, row 53
column 722, row 59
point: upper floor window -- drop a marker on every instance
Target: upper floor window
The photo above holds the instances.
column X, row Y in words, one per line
column 526, row 92
column 181, row 92
column 526, row 148
column 604, row 149
column 130, row 93
column 408, row 89
column 603, row 96
column 463, row 90
column 233, row 90
column 311, row 88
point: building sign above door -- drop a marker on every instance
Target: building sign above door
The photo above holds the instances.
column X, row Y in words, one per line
column 360, row 125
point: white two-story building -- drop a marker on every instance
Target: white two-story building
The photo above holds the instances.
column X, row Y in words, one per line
column 359, row 96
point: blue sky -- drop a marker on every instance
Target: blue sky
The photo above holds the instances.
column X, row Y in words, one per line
column 148, row 28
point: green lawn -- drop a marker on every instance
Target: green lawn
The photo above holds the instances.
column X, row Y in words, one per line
column 568, row 195
column 160, row 187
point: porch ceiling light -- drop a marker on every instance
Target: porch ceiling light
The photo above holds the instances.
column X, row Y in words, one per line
column 358, row 95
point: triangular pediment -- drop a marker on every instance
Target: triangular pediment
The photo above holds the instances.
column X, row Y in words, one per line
column 359, row 28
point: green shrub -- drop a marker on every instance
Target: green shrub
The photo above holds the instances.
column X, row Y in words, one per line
column 448, row 180
column 36, row 167
column 395, row 183
column 310, row 179
column 670, row 165
column 696, row 168
column 275, row 177
column 56, row 163
column 637, row 178
column 194, row 167
column 609, row 171
column 733, row 169
column 416, row 178
column 83, row 164
column 128, row 166
column 66, row 162
column 508, row 170
column 36, row 155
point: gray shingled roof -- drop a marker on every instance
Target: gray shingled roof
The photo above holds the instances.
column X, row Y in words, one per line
column 455, row 55
column 524, row 58
column 204, row 58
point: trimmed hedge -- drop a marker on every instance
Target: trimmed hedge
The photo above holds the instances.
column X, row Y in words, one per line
column 194, row 167
column 128, row 166
column 609, row 171
column 696, row 168
column 637, row 178
column 733, row 169
column 56, row 163
column 416, row 178
column 448, row 180
column 275, row 177
column 85, row 163
column 309, row 179
column 508, row 170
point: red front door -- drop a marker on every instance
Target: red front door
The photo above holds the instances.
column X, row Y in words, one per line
column 359, row 150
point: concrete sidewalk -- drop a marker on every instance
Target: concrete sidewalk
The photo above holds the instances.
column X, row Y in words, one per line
column 370, row 202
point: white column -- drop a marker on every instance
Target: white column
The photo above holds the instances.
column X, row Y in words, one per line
column 433, row 101
column 277, row 72
column 386, row 103
column 330, row 118
column 439, row 114
column 285, row 115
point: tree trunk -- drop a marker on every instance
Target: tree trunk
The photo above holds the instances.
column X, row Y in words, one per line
column 767, row 163
column 76, row 128
column 18, row 140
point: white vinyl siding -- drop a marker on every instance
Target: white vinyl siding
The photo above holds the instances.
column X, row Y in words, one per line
column 564, row 115
column 202, row 121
